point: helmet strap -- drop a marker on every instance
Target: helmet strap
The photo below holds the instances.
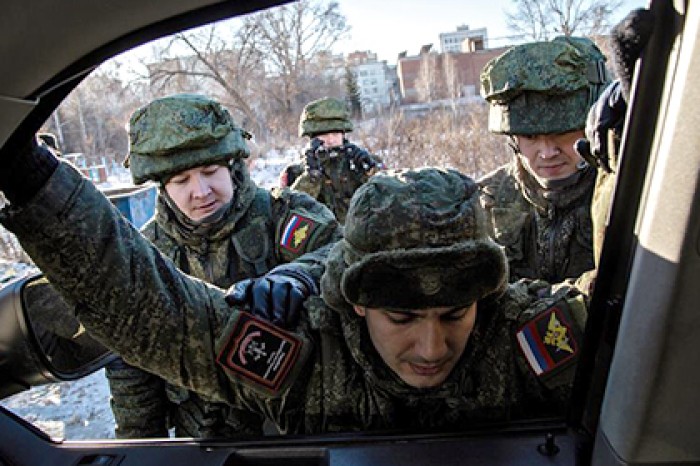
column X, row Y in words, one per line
column 513, row 144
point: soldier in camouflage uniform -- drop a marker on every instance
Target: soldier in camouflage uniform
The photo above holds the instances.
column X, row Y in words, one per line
column 333, row 167
column 415, row 328
column 539, row 204
column 215, row 224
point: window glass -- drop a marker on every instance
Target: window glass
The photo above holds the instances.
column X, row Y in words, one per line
column 426, row 111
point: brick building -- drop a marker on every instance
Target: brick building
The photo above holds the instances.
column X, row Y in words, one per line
column 431, row 76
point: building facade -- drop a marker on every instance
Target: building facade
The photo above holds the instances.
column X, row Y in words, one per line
column 463, row 40
column 432, row 76
column 376, row 81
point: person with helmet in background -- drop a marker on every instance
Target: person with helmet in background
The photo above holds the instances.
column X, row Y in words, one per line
column 215, row 224
column 539, row 204
column 416, row 326
column 333, row 167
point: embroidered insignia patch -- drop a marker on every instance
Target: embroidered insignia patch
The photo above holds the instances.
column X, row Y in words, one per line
column 296, row 233
column 260, row 352
column 548, row 341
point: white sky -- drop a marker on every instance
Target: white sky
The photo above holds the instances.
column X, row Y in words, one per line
column 410, row 24
column 414, row 23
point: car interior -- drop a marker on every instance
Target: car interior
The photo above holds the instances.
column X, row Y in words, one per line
column 634, row 399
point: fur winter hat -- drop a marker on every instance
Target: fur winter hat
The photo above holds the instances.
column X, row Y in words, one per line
column 417, row 239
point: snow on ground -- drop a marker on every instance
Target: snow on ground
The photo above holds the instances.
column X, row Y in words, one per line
column 266, row 170
column 79, row 410
column 73, row 410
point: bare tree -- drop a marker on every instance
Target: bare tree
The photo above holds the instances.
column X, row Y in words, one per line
column 428, row 82
column 446, row 137
column 260, row 66
column 544, row 19
column 452, row 78
column 218, row 60
column 92, row 118
column 290, row 37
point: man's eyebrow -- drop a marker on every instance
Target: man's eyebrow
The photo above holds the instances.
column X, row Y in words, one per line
column 420, row 312
column 455, row 309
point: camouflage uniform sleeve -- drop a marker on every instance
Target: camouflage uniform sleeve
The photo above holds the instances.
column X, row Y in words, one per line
column 127, row 294
column 548, row 334
column 305, row 230
column 139, row 402
column 138, row 399
column 306, row 184
column 488, row 188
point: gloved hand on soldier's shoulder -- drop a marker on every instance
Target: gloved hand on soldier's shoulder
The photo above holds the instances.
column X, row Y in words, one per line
column 277, row 296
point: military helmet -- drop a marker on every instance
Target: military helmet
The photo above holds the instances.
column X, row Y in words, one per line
column 417, row 239
column 324, row 116
column 179, row 132
column 543, row 87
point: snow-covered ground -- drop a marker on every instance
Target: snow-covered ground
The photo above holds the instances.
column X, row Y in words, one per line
column 80, row 409
column 266, row 170
column 68, row 410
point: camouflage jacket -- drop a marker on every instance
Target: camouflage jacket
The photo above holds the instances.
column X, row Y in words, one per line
column 547, row 236
column 239, row 245
column 322, row 377
column 337, row 179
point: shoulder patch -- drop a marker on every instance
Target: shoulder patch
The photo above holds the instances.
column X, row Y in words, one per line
column 550, row 341
column 259, row 352
column 296, row 233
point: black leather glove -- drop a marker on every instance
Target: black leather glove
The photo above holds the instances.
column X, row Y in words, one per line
column 277, row 296
column 26, row 168
column 359, row 158
column 603, row 126
column 311, row 158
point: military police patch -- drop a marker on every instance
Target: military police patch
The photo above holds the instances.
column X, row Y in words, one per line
column 296, row 232
column 549, row 342
column 260, row 352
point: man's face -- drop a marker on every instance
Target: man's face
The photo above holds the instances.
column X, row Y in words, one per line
column 201, row 191
column 420, row 346
column 550, row 156
column 333, row 139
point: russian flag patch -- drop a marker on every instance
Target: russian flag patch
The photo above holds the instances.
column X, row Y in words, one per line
column 296, row 233
column 548, row 341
